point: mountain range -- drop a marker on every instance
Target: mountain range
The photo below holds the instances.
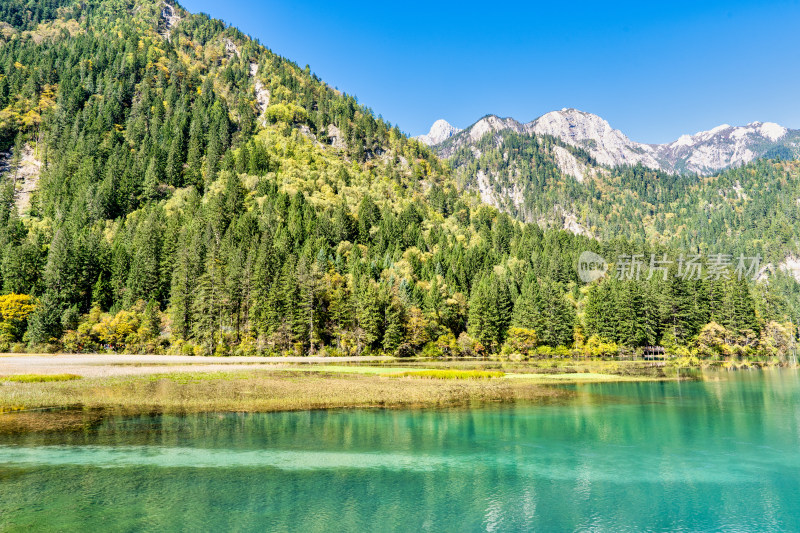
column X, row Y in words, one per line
column 703, row 153
column 170, row 185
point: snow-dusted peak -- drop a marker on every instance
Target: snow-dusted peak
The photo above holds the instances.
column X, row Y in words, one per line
column 440, row 132
column 724, row 146
column 770, row 130
column 705, row 152
column 701, row 136
column 725, row 132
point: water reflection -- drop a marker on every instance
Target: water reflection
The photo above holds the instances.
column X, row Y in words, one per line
column 720, row 453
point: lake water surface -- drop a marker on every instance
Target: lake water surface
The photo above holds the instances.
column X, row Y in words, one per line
column 714, row 455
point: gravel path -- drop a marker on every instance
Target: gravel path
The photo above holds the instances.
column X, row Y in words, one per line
column 100, row 365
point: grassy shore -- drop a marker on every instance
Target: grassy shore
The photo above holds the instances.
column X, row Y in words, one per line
column 32, row 402
column 87, row 399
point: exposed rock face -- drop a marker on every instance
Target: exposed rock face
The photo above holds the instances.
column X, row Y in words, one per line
column 704, row 153
column 471, row 135
column 724, row 146
column 262, row 94
column 7, row 30
column 572, row 225
column 509, row 199
column 569, row 164
column 608, row 146
column 231, row 49
column 170, row 17
column 23, row 173
column 335, row 137
column 440, row 131
column 791, row 265
column 493, row 124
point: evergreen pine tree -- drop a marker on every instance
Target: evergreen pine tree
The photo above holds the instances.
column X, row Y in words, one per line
column 44, row 324
column 144, row 277
column 393, row 326
column 558, row 316
column 528, row 309
column 369, row 313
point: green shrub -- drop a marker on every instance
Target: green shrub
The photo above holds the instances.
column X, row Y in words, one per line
column 18, row 347
column 561, row 352
column 544, row 352
column 431, row 351
column 405, row 350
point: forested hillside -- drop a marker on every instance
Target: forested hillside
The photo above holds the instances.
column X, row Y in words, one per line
column 752, row 209
column 170, row 185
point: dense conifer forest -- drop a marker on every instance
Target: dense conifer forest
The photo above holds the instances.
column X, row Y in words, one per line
column 198, row 194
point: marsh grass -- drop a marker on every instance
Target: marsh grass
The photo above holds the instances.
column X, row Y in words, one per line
column 58, row 420
column 40, row 378
column 58, row 402
column 260, row 391
column 451, row 374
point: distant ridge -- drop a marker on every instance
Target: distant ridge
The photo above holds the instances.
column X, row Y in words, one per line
column 704, row 153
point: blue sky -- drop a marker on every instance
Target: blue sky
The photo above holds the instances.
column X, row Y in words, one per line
column 654, row 70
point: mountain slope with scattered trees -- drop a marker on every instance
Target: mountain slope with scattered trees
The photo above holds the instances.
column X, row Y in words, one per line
column 752, row 209
column 199, row 194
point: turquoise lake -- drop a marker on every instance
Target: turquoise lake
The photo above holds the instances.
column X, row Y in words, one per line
column 722, row 454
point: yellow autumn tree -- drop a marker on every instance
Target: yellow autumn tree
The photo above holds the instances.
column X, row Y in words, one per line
column 115, row 331
column 14, row 312
column 417, row 332
column 520, row 341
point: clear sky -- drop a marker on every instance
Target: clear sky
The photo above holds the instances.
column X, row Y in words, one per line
column 653, row 69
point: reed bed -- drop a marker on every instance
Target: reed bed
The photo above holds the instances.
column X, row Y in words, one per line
column 451, row 374
column 39, row 378
column 260, row 391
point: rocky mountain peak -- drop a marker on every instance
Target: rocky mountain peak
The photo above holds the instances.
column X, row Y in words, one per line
column 588, row 131
column 704, row 152
column 492, row 123
column 440, row 132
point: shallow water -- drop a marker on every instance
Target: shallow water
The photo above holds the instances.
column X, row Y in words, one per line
column 694, row 456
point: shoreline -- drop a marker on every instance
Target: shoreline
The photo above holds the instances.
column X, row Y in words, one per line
column 99, row 386
column 78, row 404
column 49, row 393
